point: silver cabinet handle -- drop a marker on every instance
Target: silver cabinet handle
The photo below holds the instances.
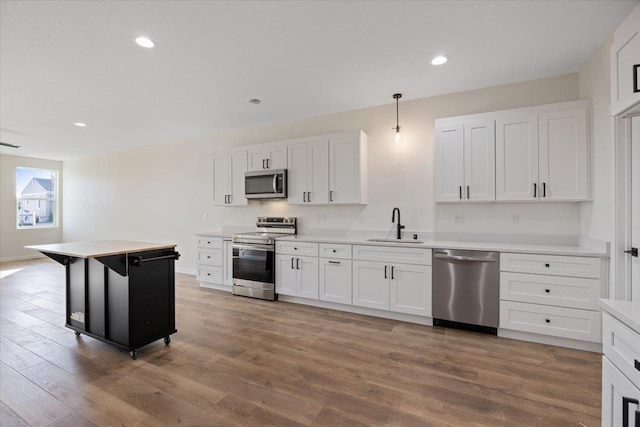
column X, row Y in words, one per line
column 275, row 183
column 463, row 258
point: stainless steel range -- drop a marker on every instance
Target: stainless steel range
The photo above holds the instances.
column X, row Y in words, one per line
column 254, row 257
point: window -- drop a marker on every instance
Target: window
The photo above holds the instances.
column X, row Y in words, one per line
column 36, row 198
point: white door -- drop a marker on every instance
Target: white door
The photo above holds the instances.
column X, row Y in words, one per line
column 221, row 174
column 449, row 163
column 335, row 280
column 563, row 155
column 517, row 157
column 410, row 289
column 635, row 207
column 257, row 159
column 276, row 158
column 238, row 166
column 297, row 174
column 371, row 284
column 318, row 173
column 344, row 170
column 307, row 285
column 286, row 275
column 479, row 161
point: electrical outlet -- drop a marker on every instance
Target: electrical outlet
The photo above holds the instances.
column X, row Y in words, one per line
column 205, row 216
column 515, row 219
column 457, row 219
column 321, row 217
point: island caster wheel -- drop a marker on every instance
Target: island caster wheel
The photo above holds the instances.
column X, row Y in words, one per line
column 77, row 333
column 167, row 340
column 133, row 354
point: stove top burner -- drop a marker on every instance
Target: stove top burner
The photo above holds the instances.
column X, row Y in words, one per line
column 268, row 229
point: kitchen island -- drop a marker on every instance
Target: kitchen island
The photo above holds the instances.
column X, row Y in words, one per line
column 119, row 292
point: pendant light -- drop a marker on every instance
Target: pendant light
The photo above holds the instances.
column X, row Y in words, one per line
column 397, row 134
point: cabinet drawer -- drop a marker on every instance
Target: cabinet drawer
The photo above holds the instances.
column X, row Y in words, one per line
column 548, row 320
column 621, row 345
column 210, row 242
column 390, row 254
column 297, row 248
column 550, row 290
column 210, row 275
column 551, row 264
column 335, row 251
column 210, row 257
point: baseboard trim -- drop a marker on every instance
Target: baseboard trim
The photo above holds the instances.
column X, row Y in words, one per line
column 188, row 271
column 549, row 340
column 22, row 258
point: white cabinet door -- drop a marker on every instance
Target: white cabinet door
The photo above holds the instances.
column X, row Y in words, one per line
column 410, row 289
column 619, row 395
column 449, row 163
column 318, row 173
column 227, row 263
column 221, row 176
column 267, row 158
column 297, row 174
column 286, row 275
column 307, row 280
column 228, row 179
column 625, row 57
column 335, row 280
column 371, row 284
column 237, row 168
column 344, row 171
column 517, row 156
column 479, row 161
column 563, row 155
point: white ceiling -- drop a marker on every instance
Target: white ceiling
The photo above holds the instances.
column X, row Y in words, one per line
column 75, row 61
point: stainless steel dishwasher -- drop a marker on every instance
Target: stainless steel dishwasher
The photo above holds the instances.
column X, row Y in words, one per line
column 466, row 289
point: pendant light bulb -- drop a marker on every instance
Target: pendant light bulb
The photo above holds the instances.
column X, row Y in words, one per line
column 397, row 130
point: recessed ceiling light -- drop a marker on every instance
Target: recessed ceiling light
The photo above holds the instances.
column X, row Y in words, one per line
column 439, row 60
column 255, row 101
column 81, row 125
column 144, row 42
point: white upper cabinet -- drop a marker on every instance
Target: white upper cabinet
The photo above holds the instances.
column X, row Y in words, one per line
column 272, row 157
column 348, row 169
column 228, row 179
column 625, row 66
column 563, row 161
column 465, row 161
column 449, row 162
column 516, row 156
column 543, row 153
column 308, row 172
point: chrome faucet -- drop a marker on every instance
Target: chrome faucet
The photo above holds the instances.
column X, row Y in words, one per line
column 393, row 219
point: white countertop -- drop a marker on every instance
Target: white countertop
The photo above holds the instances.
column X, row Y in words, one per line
column 218, row 234
column 625, row 311
column 98, row 248
column 445, row 244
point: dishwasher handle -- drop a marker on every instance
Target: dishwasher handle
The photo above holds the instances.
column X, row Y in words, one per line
column 463, row 258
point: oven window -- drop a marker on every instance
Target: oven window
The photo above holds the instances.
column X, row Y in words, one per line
column 254, row 265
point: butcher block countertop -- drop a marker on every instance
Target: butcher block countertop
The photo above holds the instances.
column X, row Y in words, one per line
column 99, row 248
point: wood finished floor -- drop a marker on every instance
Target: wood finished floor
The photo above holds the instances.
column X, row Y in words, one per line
column 243, row 362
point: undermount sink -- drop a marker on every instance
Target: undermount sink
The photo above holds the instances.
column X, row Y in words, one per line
column 395, row 240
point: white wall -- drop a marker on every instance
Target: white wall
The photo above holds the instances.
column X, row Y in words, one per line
column 12, row 240
column 161, row 193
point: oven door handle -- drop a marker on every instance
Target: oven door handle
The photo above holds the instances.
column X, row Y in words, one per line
column 254, row 247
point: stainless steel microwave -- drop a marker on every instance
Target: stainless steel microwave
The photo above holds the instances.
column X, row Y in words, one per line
column 266, row 184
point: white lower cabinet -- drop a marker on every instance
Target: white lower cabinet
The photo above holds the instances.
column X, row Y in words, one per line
column 620, row 369
column 335, row 280
column 410, row 289
column 371, row 284
column 551, row 295
column 215, row 262
column 297, row 276
column 397, row 287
